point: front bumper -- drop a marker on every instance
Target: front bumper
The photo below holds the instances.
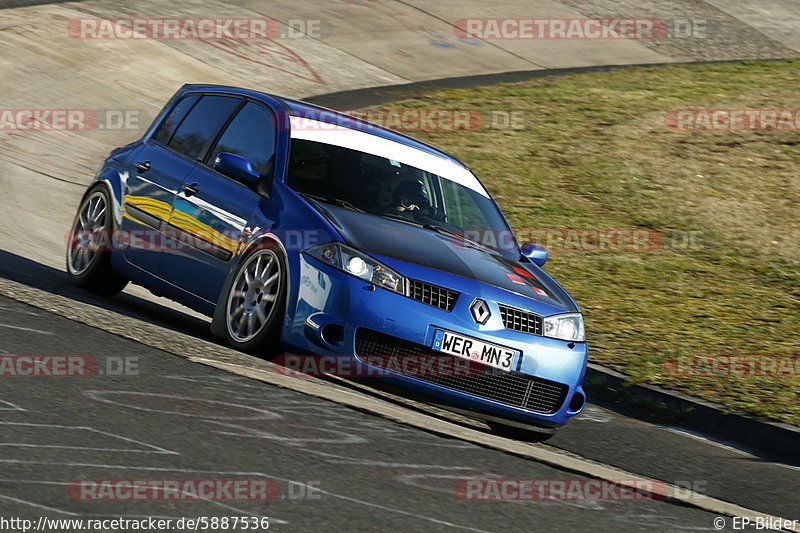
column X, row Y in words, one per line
column 334, row 312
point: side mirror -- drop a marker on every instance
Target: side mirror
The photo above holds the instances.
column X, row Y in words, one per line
column 236, row 167
column 534, row 253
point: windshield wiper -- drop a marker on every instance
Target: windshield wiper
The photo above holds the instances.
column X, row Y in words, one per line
column 338, row 202
column 443, row 231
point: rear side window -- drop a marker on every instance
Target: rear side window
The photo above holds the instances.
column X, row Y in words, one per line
column 251, row 135
column 202, row 124
column 174, row 118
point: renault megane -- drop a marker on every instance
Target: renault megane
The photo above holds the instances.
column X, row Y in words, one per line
column 301, row 229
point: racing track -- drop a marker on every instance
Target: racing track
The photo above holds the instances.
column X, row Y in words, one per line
column 369, row 473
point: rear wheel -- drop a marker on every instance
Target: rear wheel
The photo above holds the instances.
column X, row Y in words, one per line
column 517, row 433
column 249, row 312
column 88, row 253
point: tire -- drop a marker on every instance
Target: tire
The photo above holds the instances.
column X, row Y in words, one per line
column 251, row 305
column 516, row 433
column 88, row 256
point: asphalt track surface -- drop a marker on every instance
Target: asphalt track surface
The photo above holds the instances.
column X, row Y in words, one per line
column 338, row 469
column 173, row 419
column 176, row 419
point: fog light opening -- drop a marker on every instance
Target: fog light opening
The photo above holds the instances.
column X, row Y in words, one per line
column 577, row 402
column 333, row 334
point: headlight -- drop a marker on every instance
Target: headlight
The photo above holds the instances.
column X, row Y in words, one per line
column 358, row 264
column 565, row 327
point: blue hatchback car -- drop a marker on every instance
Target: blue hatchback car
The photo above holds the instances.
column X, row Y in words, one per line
column 305, row 230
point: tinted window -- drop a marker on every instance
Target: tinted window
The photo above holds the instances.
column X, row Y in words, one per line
column 251, row 135
column 202, row 124
column 174, row 118
column 389, row 188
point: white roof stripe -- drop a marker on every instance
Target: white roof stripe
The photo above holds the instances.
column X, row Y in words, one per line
column 324, row 132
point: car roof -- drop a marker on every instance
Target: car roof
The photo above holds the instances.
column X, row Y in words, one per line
column 311, row 111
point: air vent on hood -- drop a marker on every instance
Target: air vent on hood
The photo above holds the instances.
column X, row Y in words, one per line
column 431, row 294
column 520, row 320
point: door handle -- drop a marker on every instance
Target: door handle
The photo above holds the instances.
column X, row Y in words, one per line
column 144, row 166
column 190, row 189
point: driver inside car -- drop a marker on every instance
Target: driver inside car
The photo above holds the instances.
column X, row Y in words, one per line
column 410, row 197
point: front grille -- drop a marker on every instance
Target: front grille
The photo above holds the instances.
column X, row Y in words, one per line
column 431, row 294
column 520, row 320
column 511, row 388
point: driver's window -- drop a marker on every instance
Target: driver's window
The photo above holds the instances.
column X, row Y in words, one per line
column 251, row 134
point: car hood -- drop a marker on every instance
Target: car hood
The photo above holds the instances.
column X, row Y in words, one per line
column 395, row 239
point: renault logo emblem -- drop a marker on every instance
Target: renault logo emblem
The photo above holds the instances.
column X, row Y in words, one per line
column 480, row 311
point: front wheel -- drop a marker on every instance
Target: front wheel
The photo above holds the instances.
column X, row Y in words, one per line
column 250, row 309
column 88, row 253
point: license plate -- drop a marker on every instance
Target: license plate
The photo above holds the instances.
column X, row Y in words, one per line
column 473, row 349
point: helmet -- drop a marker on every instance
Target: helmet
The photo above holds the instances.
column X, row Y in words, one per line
column 408, row 193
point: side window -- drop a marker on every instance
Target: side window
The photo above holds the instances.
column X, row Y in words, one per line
column 174, row 118
column 202, row 124
column 251, row 135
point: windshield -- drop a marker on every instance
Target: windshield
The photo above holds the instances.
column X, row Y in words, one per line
column 392, row 189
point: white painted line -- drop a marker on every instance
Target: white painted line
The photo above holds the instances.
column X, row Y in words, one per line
column 32, row 504
column 259, row 414
column 31, row 330
column 149, row 448
column 11, row 406
column 19, row 311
